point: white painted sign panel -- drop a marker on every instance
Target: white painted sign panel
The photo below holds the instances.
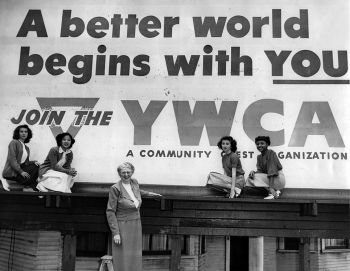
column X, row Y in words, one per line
column 157, row 83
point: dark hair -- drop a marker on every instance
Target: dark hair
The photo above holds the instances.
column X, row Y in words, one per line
column 16, row 133
column 59, row 138
column 232, row 142
column 263, row 138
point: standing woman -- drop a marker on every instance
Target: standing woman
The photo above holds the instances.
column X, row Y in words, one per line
column 269, row 169
column 18, row 167
column 56, row 173
column 124, row 220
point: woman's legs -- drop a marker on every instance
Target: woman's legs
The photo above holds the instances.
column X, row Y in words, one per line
column 272, row 184
column 32, row 169
column 276, row 184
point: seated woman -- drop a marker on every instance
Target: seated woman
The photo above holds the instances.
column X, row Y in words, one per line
column 18, row 167
column 234, row 173
column 269, row 169
column 56, row 173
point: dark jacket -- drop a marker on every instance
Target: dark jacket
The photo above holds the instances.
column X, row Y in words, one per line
column 52, row 159
column 13, row 162
column 121, row 206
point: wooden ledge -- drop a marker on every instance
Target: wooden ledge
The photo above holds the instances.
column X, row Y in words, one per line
column 202, row 193
column 203, row 198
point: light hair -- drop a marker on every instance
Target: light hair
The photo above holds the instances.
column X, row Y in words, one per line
column 126, row 165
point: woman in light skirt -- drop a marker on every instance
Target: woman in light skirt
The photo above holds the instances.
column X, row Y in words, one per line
column 56, row 173
column 269, row 172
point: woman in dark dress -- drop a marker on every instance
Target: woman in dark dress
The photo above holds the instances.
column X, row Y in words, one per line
column 269, row 172
column 123, row 217
column 18, row 167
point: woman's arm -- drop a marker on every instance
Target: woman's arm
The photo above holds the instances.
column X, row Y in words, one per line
column 69, row 161
column 273, row 164
column 233, row 183
column 54, row 158
column 258, row 164
column 12, row 154
column 234, row 162
column 111, row 213
column 149, row 194
column 32, row 161
column 258, row 168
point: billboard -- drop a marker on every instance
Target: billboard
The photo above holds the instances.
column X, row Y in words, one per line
column 158, row 82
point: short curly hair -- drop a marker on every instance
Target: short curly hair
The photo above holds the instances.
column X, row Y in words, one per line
column 59, row 138
column 126, row 165
column 232, row 142
column 263, row 138
column 16, row 133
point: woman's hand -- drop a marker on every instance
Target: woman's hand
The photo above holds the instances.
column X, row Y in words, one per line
column 154, row 194
column 251, row 174
column 116, row 239
column 232, row 194
column 36, row 163
column 72, row 172
column 25, row 175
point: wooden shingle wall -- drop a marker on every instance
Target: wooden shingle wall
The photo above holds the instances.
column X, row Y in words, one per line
column 30, row 250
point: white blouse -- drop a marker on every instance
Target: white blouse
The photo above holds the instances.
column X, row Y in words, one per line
column 128, row 189
column 25, row 153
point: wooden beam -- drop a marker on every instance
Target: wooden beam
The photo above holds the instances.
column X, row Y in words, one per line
column 227, row 253
column 48, row 201
column 175, row 252
column 256, row 253
column 184, row 192
column 309, row 209
column 166, row 205
column 69, row 252
column 246, row 232
column 304, row 254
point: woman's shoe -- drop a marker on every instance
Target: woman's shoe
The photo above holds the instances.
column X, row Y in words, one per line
column 278, row 194
column 237, row 192
column 270, row 196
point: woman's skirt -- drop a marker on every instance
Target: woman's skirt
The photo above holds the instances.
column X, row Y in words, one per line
column 223, row 182
column 128, row 255
column 32, row 169
column 54, row 180
column 261, row 180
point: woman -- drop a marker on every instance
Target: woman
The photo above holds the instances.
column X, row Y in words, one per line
column 232, row 165
column 124, row 220
column 269, row 169
column 56, row 173
column 18, row 167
